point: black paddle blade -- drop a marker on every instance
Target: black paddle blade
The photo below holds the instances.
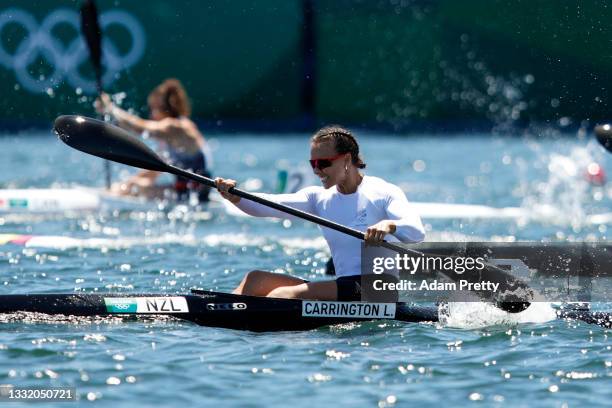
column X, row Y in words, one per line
column 90, row 27
column 106, row 141
column 604, row 136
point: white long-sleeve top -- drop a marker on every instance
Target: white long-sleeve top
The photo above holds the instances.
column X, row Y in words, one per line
column 375, row 200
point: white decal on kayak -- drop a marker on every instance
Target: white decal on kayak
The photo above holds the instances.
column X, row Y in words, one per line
column 348, row 309
column 226, row 306
column 153, row 305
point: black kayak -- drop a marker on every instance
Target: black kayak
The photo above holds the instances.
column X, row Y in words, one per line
column 217, row 309
column 240, row 312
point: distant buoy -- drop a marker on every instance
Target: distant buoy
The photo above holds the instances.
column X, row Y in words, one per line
column 595, row 174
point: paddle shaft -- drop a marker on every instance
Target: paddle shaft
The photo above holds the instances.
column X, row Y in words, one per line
column 286, row 209
column 90, row 27
column 252, row 197
column 290, row 210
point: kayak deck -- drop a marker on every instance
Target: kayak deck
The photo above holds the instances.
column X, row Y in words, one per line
column 217, row 309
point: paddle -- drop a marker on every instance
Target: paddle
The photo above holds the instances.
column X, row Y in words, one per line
column 113, row 143
column 90, row 27
column 604, row 136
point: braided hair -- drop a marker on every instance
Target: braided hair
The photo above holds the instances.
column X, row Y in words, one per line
column 343, row 140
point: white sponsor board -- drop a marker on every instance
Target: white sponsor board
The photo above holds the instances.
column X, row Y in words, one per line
column 153, row 305
column 348, row 309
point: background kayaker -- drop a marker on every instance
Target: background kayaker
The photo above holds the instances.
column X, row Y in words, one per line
column 347, row 197
column 181, row 142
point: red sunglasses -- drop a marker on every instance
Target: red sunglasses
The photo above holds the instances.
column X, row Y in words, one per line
column 324, row 163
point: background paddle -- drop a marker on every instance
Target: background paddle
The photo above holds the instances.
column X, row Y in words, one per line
column 90, row 27
column 110, row 142
column 604, row 136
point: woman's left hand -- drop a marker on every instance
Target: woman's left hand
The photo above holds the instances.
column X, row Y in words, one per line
column 375, row 234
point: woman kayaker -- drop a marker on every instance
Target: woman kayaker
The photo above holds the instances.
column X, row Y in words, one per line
column 347, row 197
column 181, row 142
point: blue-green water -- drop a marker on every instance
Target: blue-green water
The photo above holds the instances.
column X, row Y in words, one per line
column 165, row 363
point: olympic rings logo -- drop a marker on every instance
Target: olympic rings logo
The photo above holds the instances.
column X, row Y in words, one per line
column 65, row 60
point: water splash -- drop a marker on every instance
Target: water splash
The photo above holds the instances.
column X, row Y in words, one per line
column 563, row 196
column 475, row 315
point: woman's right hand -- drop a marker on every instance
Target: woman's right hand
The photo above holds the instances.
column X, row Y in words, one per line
column 103, row 104
column 223, row 186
